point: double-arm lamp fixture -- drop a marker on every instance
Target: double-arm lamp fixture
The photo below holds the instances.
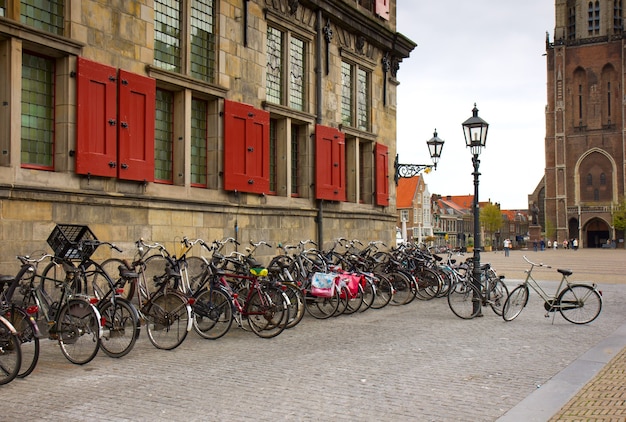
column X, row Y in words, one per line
column 435, row 145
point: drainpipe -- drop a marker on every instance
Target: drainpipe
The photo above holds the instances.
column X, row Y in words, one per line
column 318, row 99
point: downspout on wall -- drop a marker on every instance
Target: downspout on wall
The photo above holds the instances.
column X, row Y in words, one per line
column 318, row 112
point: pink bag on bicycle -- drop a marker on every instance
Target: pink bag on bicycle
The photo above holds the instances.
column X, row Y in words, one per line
column 323, row 285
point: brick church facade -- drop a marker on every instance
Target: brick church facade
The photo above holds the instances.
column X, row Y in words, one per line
column 585, row 129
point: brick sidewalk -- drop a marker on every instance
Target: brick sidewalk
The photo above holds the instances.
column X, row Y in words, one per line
column 603, row 398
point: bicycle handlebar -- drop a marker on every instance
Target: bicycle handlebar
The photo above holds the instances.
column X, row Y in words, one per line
column 534, row 264
column 95, row 242
column 25, row 259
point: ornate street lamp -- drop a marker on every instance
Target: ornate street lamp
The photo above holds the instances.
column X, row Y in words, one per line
column 475, row 131
column 435, row 145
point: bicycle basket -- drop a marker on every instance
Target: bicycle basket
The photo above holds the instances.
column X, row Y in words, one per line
column 66, row 240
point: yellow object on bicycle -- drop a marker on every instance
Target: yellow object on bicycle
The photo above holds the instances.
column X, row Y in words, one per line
column 259, row 272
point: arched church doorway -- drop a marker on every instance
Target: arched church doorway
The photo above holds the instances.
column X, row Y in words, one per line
column 596, row 233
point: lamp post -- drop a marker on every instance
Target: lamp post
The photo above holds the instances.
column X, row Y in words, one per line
column 435, row 145
column 475, row 131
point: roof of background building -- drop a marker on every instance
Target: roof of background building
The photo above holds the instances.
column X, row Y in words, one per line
column 405, row 192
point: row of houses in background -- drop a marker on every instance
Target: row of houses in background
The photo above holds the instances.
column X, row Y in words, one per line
column 447, row 220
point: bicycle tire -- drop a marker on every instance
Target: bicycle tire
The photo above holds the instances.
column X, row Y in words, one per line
column 155, row 266
column 428, row 283
column 579, row 303
column 267, row 312
column 498, row 293
column 344, row 297
column 50, row 279
column 195, row 270
column 121, row 327
column 369, row 293
column 212, row 314
column 384, row 292
column 515, row 303
column 78, row 329
column 354, row 301
column 26, row 328
column 462, row 298
column 11, row 352
column 296, row 304
column 321, row 307
column 401, row 287
column 111, row 266
column 167, row 320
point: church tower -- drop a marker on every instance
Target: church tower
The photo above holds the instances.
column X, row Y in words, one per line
column 585, row 121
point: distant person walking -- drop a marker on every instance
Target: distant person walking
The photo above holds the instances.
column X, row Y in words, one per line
column 575, row 244
column 507, row 246
column 555, row 244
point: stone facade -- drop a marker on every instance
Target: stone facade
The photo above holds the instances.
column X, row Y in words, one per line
column 584, row 176
column 121, row 35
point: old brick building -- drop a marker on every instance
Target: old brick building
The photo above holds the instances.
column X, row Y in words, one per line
column 258, row 119
column 585, row 138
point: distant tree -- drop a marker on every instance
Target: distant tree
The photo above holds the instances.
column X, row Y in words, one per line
column 491, row 219
column 619, row 216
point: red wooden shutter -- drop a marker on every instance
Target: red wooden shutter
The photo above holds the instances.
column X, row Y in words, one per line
column 382, row 8
column 137, row 96
column 382, row 174
column 330, row 174
column 96, row 122
column 246, row 148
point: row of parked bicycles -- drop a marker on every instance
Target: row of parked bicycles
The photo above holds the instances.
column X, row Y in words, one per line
column 88, row 306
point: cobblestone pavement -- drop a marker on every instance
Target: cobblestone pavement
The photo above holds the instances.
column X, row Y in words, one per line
column 413, row 362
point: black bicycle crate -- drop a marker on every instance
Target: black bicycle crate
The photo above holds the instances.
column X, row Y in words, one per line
column 67, row 241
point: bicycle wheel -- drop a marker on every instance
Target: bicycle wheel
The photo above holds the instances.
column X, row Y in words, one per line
column 10, row 352
column 579, row 303
column 402, row 288
column 498, row 293
column 384, row 292
column 428, row 283
column 195, row 270
column 121, row 327
column 296, row 304
column 212, row 314
column 515, row 303
column 78, row 329
column 267, row 312
column 155, row 266
column 461, row 300
column 344, row 296
column 111, row 266
column 27, row 330
column 167, row 320
column 51, row 277
column 321, row 307
column 355, row 301
column 369, row 293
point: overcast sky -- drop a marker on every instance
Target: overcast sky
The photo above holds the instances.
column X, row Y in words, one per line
column 487, row 52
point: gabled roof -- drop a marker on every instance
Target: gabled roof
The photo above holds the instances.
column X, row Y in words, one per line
column 405, row 192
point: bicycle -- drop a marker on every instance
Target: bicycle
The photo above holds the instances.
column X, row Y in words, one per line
column 10, row 352
column 85, row 276
column 256, row 298
column 467, row 296
column 578, row 303
column 164, row 309
column 72, row 320
column 20, row 318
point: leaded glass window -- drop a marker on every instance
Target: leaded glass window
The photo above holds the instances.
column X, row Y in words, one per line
column 37, row 111
column 199, row 134
column 167, row 34
column 296, row 74
column 163, row 135
column 45, row 15
column 202, row 40
column 346, row 93
column 274, row 65
column 295, row 157
column 362, row 98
